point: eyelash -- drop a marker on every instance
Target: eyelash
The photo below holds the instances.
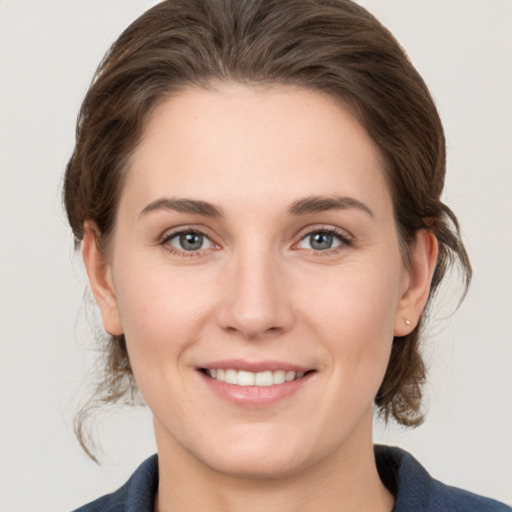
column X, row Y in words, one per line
column 345, row 241
column 164, row 242
column 343, row 237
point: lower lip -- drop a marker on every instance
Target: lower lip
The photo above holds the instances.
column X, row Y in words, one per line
column 255, row 396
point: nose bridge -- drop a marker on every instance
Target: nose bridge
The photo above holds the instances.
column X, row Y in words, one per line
column 256, row 302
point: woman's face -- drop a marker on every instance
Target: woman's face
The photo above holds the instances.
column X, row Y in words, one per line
column 255, row 271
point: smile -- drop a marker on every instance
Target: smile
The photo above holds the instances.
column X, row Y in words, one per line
column 245, row 378
column 255, row 384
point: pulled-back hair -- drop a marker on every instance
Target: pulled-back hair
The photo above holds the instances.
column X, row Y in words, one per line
column 332, row 46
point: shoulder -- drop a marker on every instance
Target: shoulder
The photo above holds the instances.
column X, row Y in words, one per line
column 416, row 490
column 136, row 495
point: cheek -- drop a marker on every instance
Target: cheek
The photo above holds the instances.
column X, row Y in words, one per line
column 363, row 298
column 160, row 309
column 161, row 313
column 354, row 313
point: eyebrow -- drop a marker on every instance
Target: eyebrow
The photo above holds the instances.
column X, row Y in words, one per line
column 183, row 205
column 316, row 204
column 311, row 204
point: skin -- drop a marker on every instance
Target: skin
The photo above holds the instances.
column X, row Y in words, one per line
column 259, row 290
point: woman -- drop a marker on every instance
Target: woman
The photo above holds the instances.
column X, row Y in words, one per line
column 256, row 190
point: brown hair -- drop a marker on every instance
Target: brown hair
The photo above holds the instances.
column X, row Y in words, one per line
column 332, row 46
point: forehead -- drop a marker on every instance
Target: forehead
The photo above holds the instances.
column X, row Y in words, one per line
column 238, row 141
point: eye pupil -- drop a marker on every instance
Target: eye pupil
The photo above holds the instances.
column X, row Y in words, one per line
column 321, row 241
column 191, row 241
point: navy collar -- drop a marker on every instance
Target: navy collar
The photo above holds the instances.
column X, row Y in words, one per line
column 414, row 489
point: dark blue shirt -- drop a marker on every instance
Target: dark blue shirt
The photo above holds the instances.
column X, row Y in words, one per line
column 414, row 489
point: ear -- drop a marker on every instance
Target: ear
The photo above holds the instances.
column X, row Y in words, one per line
column 100, row 276
column 423, row 259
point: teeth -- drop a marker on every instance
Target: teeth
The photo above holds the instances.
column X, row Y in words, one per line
column 263, row 379
column 279, row 377
column 243, row 378
column 231, row 377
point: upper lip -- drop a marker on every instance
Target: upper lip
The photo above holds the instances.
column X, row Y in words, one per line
column 254, row 366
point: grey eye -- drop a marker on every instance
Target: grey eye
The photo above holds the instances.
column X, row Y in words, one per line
column 190, row 241
column 320, row 241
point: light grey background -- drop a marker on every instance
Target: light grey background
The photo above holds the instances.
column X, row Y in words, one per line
column 48, row 52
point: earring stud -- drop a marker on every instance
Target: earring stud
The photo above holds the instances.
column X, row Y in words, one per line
column 407, row 321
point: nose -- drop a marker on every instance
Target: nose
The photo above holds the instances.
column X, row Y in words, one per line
column 256, row 301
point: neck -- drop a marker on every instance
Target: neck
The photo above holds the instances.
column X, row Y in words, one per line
column 344, row 481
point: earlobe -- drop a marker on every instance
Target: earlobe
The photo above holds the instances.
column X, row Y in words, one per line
column 423, row 259
column 100, row 277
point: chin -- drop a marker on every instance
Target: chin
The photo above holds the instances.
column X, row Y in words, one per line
column 260, row 457
column 258, row 466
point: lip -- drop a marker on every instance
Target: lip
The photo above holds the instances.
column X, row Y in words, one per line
column 254, row 396
column 254, row 366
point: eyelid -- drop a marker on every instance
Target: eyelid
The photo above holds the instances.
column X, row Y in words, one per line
column 171, row 233
column 344, row 236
